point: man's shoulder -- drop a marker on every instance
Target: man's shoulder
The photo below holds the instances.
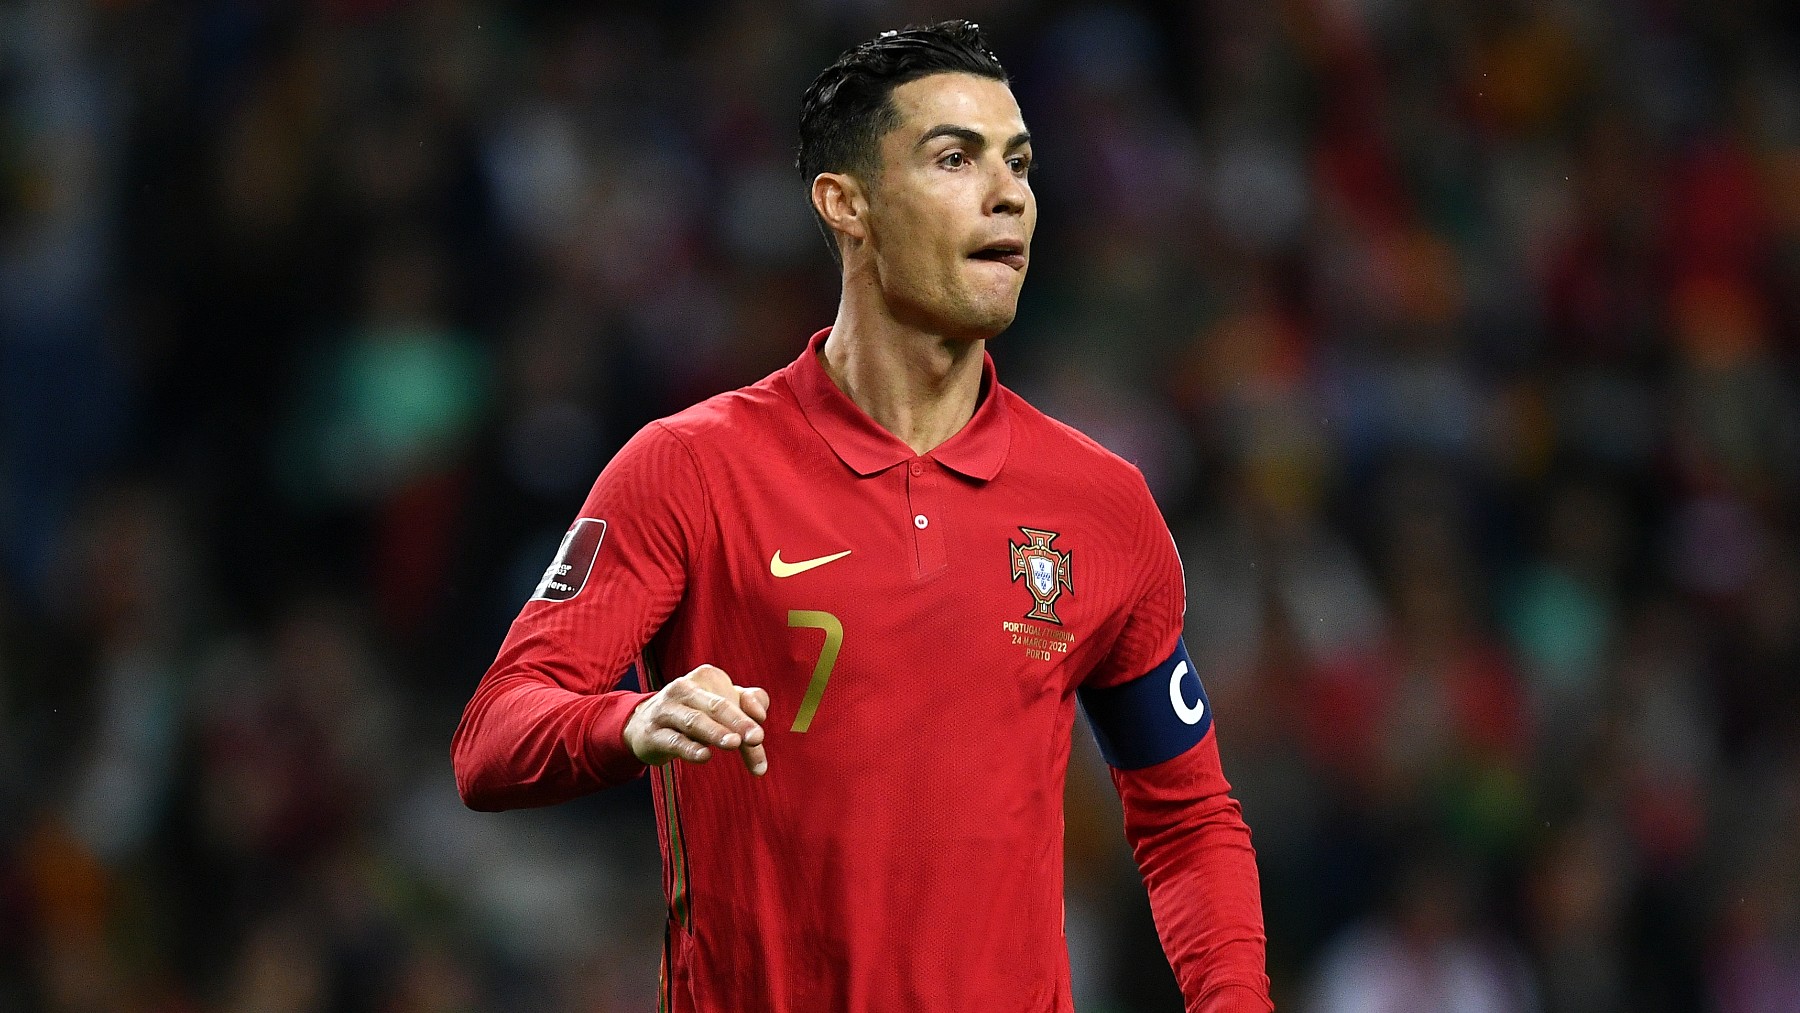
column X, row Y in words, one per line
column 733, row 416
column 1043, row 437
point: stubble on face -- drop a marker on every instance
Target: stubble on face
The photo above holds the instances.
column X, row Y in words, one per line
column 951, row 199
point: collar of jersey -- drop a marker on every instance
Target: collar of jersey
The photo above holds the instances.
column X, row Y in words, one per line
column 977, row 450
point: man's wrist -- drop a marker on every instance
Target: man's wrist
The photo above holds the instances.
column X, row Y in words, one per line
column 612, row 757
column 625, row 729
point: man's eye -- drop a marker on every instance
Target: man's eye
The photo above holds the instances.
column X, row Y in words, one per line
column 1021, row 164
column 954, row 160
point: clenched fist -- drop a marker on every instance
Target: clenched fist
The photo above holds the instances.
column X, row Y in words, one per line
column 700, row 711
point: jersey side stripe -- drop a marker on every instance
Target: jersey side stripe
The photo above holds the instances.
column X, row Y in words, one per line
column 678, row 858
column 658, row 795
column 662, row 984
column 678, row 902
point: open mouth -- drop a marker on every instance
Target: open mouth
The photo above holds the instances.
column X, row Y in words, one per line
column 1007, row 252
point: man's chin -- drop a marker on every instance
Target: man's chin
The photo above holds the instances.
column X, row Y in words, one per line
column 1001, row 322
column 989, row 316
column 963, row 319
column 983, row 325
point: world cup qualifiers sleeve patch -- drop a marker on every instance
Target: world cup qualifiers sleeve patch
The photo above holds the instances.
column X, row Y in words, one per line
column 1155, row 717
column 568, row 572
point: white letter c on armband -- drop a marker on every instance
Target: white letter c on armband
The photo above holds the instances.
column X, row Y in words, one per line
column 1188, row 715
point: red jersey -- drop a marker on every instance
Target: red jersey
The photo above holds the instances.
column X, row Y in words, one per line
column 924, row 625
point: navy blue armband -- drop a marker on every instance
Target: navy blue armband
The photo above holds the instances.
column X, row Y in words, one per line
column 628, row 679
column 1155, row 717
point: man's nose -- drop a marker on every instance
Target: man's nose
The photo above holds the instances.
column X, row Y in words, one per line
column 1009, row 194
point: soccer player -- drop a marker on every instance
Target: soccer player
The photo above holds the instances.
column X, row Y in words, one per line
column 882, row 580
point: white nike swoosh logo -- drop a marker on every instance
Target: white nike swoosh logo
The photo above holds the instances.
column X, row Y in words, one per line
column 781, row 568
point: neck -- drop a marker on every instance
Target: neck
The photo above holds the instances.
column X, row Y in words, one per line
column 920, row 386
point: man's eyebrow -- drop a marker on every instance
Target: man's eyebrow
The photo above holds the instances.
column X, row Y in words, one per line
column 973, row 138
column 963, row 134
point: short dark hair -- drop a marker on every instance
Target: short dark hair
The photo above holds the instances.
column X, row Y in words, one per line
column 849, row 106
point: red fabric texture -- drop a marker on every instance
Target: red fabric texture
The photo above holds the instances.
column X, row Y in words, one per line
column 904, row 851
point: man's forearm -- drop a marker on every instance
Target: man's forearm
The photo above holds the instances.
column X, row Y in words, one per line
column 1193, row 848
column 525, row 741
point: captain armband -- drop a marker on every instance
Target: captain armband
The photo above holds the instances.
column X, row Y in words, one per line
column 1154, row 717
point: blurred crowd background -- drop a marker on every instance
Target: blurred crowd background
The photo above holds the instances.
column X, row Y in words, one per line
column 1458, row 340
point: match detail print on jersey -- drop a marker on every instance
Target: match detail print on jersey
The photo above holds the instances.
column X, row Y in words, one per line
column 574, row 562
column 782, row 568
column 1155, row 717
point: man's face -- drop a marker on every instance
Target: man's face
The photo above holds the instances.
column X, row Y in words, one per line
column 951, row 211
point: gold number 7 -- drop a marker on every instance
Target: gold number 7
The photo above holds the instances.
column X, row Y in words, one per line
column 828, row 655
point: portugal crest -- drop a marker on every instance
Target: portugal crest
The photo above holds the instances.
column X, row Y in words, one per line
column 1046, row 572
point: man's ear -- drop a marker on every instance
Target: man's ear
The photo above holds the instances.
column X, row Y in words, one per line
column 842, row 204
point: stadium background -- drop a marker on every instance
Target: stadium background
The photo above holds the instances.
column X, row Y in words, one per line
column 1457, row 339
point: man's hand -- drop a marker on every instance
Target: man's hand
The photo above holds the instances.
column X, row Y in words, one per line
column 696, row 713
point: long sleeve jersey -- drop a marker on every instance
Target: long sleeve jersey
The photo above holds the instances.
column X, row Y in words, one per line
column 925, row 626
